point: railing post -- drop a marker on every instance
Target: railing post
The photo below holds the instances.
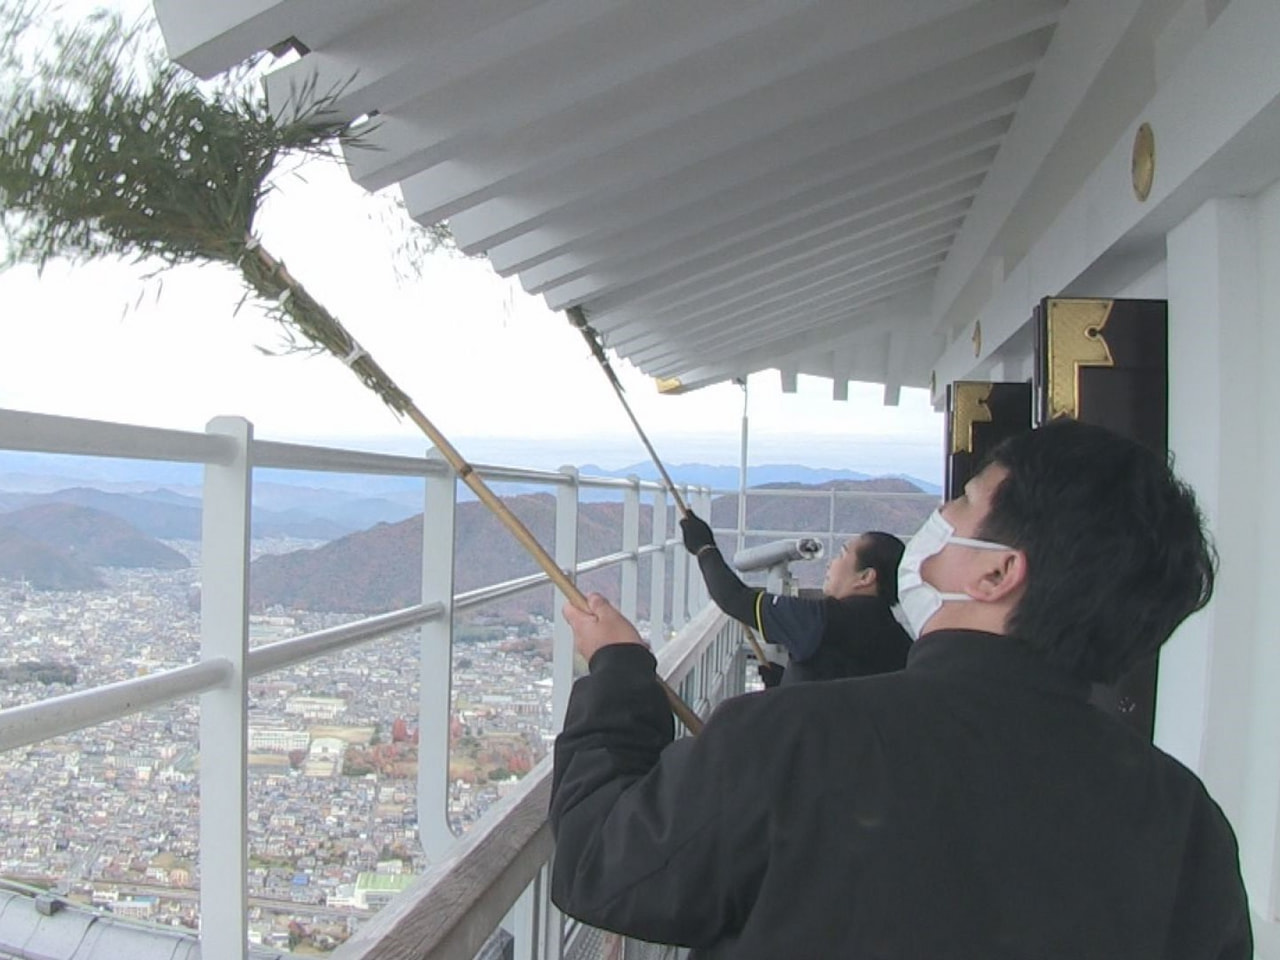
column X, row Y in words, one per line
column 435, row 661
column 831, row 525
column 224, row 725
column 680, row 578
column 658, row 579
column 521, row 922
column 567, row 560
column 630, row 544
column 552, row 919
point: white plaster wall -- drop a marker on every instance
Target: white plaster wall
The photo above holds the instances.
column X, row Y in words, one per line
column 1262, row 815
column 1218, row 700
column 1202, row 324
column 1152, row 285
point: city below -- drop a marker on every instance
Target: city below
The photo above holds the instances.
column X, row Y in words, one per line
column 98, row 587
column 109, row 816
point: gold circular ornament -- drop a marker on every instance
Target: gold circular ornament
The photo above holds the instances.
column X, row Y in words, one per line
column 1144, row 161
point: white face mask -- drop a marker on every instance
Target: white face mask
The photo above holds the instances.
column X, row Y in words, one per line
column 921, row 600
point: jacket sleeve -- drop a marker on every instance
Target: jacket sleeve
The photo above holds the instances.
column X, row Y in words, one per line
column 793, row 622
column 645, row 844
column 1210, row 916
column 1238, row 942
column 728, row 591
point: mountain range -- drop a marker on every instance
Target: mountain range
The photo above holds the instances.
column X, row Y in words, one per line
column 56, row 546
column 56, row 540
column 168, row 515
column 285, row 504
column 42, row 566
column 764, row 475
column 39, row 473
column 380, row 569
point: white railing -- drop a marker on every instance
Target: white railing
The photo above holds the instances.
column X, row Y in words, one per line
column 230, row 454
column 497, row 874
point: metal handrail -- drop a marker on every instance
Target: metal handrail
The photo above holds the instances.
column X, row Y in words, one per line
column 46, row 433
column 789, row 534
column 32, row 723
column 295, row 650
column 509, row 588
column 36, row 722
column 826, row 494
column 294, row 456
column 54, row 434
column 705, row 657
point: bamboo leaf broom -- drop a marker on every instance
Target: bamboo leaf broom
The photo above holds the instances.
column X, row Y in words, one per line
column 108, row 149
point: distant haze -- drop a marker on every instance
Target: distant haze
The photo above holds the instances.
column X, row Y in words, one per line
column 803, row 459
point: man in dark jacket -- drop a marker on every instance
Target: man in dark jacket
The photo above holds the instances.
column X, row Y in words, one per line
column 849, row 632
column 971, row 805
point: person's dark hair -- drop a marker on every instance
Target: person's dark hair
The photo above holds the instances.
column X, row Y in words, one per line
column 1117, row 554
column 881, row 552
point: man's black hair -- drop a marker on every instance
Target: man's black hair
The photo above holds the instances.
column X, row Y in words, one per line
column 881, row 552
column 1117, row 554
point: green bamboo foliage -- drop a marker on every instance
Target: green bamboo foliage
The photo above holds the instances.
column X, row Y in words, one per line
column 107, row 149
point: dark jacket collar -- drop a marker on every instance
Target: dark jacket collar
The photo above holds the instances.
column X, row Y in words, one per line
column 997, row 659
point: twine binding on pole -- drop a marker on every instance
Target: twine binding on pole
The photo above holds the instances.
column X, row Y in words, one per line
column 355, row 354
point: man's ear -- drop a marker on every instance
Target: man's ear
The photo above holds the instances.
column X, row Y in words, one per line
column 1003, row 575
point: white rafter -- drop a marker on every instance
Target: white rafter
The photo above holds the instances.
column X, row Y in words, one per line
column 720, row 186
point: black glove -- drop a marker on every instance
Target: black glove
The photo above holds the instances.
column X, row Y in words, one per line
column 770, row 674
column 696, row 533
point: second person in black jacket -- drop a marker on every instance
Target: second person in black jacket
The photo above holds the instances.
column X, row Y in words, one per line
column 849, row 632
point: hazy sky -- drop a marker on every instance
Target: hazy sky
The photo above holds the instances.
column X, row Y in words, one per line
column 499, row 373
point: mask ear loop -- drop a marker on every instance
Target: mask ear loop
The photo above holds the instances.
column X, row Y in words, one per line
column 977, row 544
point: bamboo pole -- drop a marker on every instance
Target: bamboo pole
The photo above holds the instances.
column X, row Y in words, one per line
column 561, row 579
column 323, row 328
column 579, row 320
